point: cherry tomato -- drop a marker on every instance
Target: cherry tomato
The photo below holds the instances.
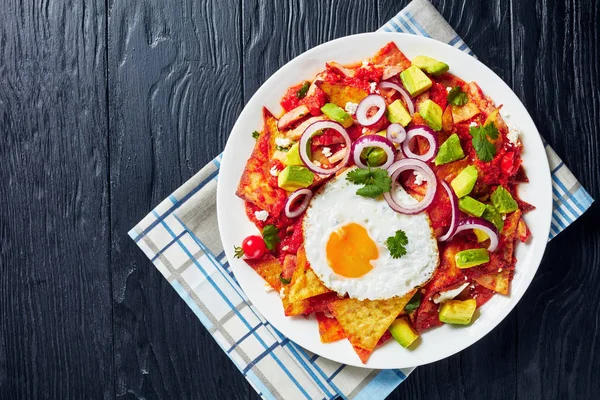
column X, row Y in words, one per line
column 254, row 247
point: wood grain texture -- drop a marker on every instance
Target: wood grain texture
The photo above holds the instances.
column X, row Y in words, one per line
column 174, row 93
column 55, row 305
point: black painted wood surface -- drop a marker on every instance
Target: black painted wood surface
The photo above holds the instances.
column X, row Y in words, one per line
column 107, row 107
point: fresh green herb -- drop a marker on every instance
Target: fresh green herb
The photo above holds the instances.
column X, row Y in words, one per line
column 238, row 252
column 301, row 93
column 457, row 97
column 282, row 148
column 376, row 181
column 414, row 302
column 396, row 243
column 255, row 134
column 485, row 149
column 270, row 236
column 285, row 281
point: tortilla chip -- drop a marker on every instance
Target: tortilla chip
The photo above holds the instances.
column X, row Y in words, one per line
column 330, row 329
column 269, row 268
column 476, row 96
column 254, row 186
column 447, row 120
column 365, row 321
column 464, row 113
column 305, row 283
column 311, row 305
column 340, row 94
column 498, row 281
column 390, row 55
column 508, row 235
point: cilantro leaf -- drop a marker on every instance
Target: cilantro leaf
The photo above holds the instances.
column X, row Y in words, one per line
column 270, row 235
column 457, row 97
column 280, row 148
column 396, row 243
column 414, row 302
column 301, row 93
column 238, row 252
column 376, row 181
column 255, row 134
column 485, row 149
column 285, row 281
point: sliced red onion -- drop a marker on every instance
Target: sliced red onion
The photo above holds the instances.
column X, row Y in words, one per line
column 410, row 105
column 396, row 133
column 411, row 164
column 482, row 225
column 427, row 133
column 300, row 209
column 305, row 140
column 455, row 212
column 373, row 141
column 373, row 100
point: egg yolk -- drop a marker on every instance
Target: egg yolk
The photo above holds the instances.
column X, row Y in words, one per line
column 350, row 250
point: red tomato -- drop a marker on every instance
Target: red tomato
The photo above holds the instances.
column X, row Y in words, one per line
column 509, row 164
column 254, row 247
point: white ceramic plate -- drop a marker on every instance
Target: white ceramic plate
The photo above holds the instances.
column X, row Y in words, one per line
column 234, row 226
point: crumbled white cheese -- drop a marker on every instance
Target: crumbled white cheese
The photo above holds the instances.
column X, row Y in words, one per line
column 282, row 292
column 448, row 89
column 268, row 288
column 450, row 294
column 503, row 217
column 283, row 142
column 261, row 215
column 328, row 314
column 326, row 151
column 513, row 135
column 499, row 269
column 505, row 114
column 419, row 179
column 285, row 248
column 351, row 108
column 473, row 123
column 274, row 171
column 365, row 63
column 364, row 130
column 373, row 87
column 317, row 163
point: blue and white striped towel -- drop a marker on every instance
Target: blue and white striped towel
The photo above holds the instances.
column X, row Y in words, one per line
column 179, row 238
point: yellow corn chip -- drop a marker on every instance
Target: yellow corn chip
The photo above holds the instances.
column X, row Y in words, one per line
column 340, row 94
column 498, row 281
column 269, row 269
column 304, row 283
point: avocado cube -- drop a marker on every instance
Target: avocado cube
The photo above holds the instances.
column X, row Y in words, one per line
column 503, row 201
column 397, row 114
column 374, row 156
column 481, row 235
column 403, row 332
column 430, row 65
column 294, row 177
column 492, row 215
column 471, row 206
column 337, row 114
column 458, row 312
column 449, row 151
column 292, row 157
column 464, row 181
column 415, row 81
column 432, row 114
column 471, row 258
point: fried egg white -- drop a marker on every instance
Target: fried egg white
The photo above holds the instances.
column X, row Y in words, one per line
column 344, row 239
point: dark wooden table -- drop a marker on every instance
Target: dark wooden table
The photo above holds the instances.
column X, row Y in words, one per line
column 108, row 106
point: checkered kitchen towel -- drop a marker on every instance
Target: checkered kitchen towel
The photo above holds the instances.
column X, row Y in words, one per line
column 180, row 238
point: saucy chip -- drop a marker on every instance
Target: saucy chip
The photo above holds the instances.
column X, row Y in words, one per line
column 330, row 329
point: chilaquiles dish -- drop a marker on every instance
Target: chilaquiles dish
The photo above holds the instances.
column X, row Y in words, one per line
column 386, row 198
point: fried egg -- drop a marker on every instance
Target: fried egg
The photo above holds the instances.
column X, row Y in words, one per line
column 344, row 239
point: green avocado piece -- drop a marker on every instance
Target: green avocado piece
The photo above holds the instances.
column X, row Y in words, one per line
column 397, row 114
column 471, row 206
column 374, row 156
column 337, row 114
column 430, row 65
column 481, row 235
column 464, row 181
column 415, row 81
column 295, row 177
column 449, row 151
column 503, row 201
column 458, row 312
column 403, row 332
column 432, row 114
column 492, row 215
column 471, row 258
column 292, row 157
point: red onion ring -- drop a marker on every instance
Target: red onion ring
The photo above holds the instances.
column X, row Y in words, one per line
column 410, row 105
column 373, row 100
column 302, row 207
column 427, row 133
column 307, row 136
column 413, row 165
column 482, row 225
column 455, row 213
column 373, row 141
column 396, row 133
